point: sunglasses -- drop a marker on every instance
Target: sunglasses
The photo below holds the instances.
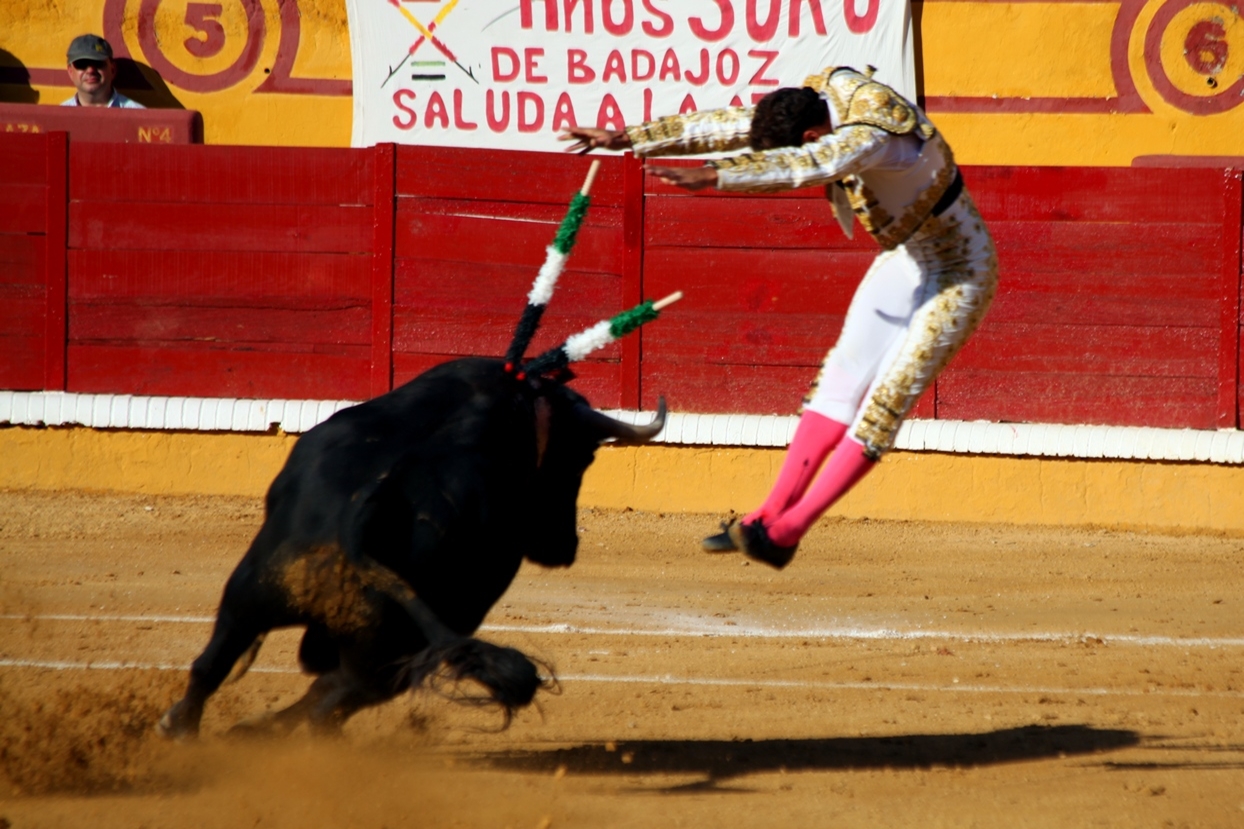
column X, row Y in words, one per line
column 85, row 63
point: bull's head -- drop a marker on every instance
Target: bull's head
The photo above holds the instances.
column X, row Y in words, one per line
column 568, row 432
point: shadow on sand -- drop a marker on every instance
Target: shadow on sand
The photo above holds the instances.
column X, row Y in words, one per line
column 720, row 760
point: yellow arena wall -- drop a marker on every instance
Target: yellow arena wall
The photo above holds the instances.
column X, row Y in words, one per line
column 1028, row 83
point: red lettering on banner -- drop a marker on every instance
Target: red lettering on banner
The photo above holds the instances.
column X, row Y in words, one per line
column 688, row 105
column 615, row 67
column 499, row 52
column 550, row 14
column 563, row 113
column 494, row 123
column 757, row 96
column 609, row 116
column 577, row 70
column 436, row 111
column 699, row 80
column 860, row 23
column 670, row 67
column 762, row 32
column 647, row 104
column 818, row 19
column 727, row 78
column 758, row 79
column 727, row 23
column 589, row 24
column 531, row 60
column 459, row 121
column 667, row 22
column 736, row 101
column 533, row 123
column 645, row 74
column 628, row 17
column 399, row 101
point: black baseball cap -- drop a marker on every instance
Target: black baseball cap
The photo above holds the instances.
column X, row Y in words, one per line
column 90, row 47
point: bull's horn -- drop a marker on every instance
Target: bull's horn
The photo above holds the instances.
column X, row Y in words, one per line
column 626, row 432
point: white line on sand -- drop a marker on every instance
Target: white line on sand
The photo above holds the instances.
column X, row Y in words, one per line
column 745, row 632
column 666, row 679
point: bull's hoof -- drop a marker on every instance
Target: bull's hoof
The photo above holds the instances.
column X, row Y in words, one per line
column 179, row 722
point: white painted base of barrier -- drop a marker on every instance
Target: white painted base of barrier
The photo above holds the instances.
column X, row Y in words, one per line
column 1050, row 440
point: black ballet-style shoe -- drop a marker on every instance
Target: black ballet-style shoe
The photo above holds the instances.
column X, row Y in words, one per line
column 721, row 542
column 753, row 539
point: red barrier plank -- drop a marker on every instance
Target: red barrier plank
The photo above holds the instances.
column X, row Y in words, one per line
column 758, row 222
column 23, row 207
column 752, row 281
column 745, row 389
column 1090, row 194
column 1232, row 260
column 502, row 288
column 250, row 327
column 55, row 267
column 458, row 308
column 1166, row 402
column 497, row 232
column 598, row 381
column 220, row 174
column 23, row 158
column 1105, row 299
column 21, row 314
column 384, row 206
column 1104, row 247
column 632, row 277
column 495, row 175
column 205, row 227
column 744, row 339
column 21, row 359
column 1092, row 350
column 196, row 273
column 168, row 369
column 21, row 259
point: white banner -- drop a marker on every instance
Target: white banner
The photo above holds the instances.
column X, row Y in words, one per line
column 507, row 74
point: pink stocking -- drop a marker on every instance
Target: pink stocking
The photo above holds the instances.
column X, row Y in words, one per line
column 814, row 437
column 842, row 471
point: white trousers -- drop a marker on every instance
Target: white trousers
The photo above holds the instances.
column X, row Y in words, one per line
column 914, row 309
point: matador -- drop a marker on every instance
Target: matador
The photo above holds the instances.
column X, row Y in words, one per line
column 883, row 163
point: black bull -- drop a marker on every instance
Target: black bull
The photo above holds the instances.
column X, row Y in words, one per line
column 394, row 527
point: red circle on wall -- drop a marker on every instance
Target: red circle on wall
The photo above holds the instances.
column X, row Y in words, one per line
column 1223, row 100
column 234, row 74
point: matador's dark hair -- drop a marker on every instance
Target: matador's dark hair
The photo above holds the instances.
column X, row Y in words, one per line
column 782, row 117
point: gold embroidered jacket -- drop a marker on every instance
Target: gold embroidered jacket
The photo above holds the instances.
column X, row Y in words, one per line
column 891, row 203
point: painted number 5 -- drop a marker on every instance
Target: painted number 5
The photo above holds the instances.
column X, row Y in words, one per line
column 204, row 18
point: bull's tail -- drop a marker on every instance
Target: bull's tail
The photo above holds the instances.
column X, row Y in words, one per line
column 244, row 662
column 509, row 677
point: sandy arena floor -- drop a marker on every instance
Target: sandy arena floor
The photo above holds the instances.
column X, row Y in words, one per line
column 896, row 674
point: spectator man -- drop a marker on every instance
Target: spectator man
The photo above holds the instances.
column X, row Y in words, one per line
column 92, row 71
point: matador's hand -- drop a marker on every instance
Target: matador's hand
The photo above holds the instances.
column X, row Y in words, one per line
column 589, row 138
column 688, row 178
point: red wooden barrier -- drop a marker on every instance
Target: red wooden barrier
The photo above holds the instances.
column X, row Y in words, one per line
column 140, row 126
column 472, row 229
column 221, row 271
column 32, row 261
column 333, row 273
